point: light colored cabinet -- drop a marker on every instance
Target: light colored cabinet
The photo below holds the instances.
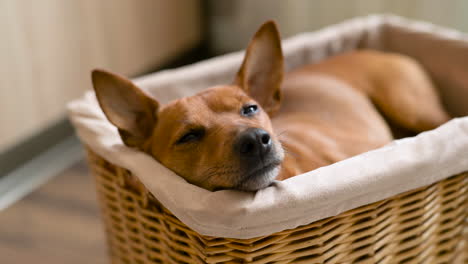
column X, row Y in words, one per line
column 48, row 48
column 234, row 22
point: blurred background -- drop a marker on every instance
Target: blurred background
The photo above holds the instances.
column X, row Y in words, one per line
column 47, row 51
column 48, row 47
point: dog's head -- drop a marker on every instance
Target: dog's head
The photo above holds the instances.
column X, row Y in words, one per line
column 220, row 138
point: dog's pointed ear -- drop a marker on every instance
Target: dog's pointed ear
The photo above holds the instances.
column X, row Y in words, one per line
column 261, row 72
column 126, row 106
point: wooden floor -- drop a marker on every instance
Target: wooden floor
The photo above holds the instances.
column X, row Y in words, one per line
column 58, row 223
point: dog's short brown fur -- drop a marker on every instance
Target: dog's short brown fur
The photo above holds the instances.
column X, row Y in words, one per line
column 263, row 126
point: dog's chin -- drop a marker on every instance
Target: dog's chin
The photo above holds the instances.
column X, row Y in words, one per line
column 259, row 180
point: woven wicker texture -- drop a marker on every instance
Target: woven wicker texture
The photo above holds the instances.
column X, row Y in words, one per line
column 426, row 225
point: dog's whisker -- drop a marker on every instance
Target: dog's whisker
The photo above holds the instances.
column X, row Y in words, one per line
column 287, row 150
column 282, row 132
column 293, row 155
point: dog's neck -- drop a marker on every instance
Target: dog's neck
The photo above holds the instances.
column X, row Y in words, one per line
column 293, row 165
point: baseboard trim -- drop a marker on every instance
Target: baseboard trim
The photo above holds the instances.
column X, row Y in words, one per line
column 26, row 150
column 38, row 170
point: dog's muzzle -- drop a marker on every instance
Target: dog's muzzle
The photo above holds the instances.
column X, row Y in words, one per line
column 257, row 156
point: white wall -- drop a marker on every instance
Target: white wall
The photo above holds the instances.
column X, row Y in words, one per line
column 48, row 48
column 235, row 21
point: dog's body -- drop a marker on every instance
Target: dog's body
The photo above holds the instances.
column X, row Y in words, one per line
column 328, row 111
column 244, row 135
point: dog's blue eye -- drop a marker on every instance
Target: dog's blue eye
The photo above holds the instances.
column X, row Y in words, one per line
column 249, row 110
column 191, row 136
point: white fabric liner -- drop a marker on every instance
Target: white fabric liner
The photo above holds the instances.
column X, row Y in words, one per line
column 398, row 167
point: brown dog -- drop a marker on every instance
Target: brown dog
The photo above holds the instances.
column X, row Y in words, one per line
column 261, row 127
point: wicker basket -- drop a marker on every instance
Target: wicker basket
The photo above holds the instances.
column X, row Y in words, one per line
column 426, row 225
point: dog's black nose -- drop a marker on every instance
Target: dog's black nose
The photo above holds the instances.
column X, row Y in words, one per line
column 254, row 142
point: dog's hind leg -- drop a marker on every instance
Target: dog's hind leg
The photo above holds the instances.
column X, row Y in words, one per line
column 407, row 97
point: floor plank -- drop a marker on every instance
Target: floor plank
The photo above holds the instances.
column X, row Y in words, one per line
column 58, row 223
